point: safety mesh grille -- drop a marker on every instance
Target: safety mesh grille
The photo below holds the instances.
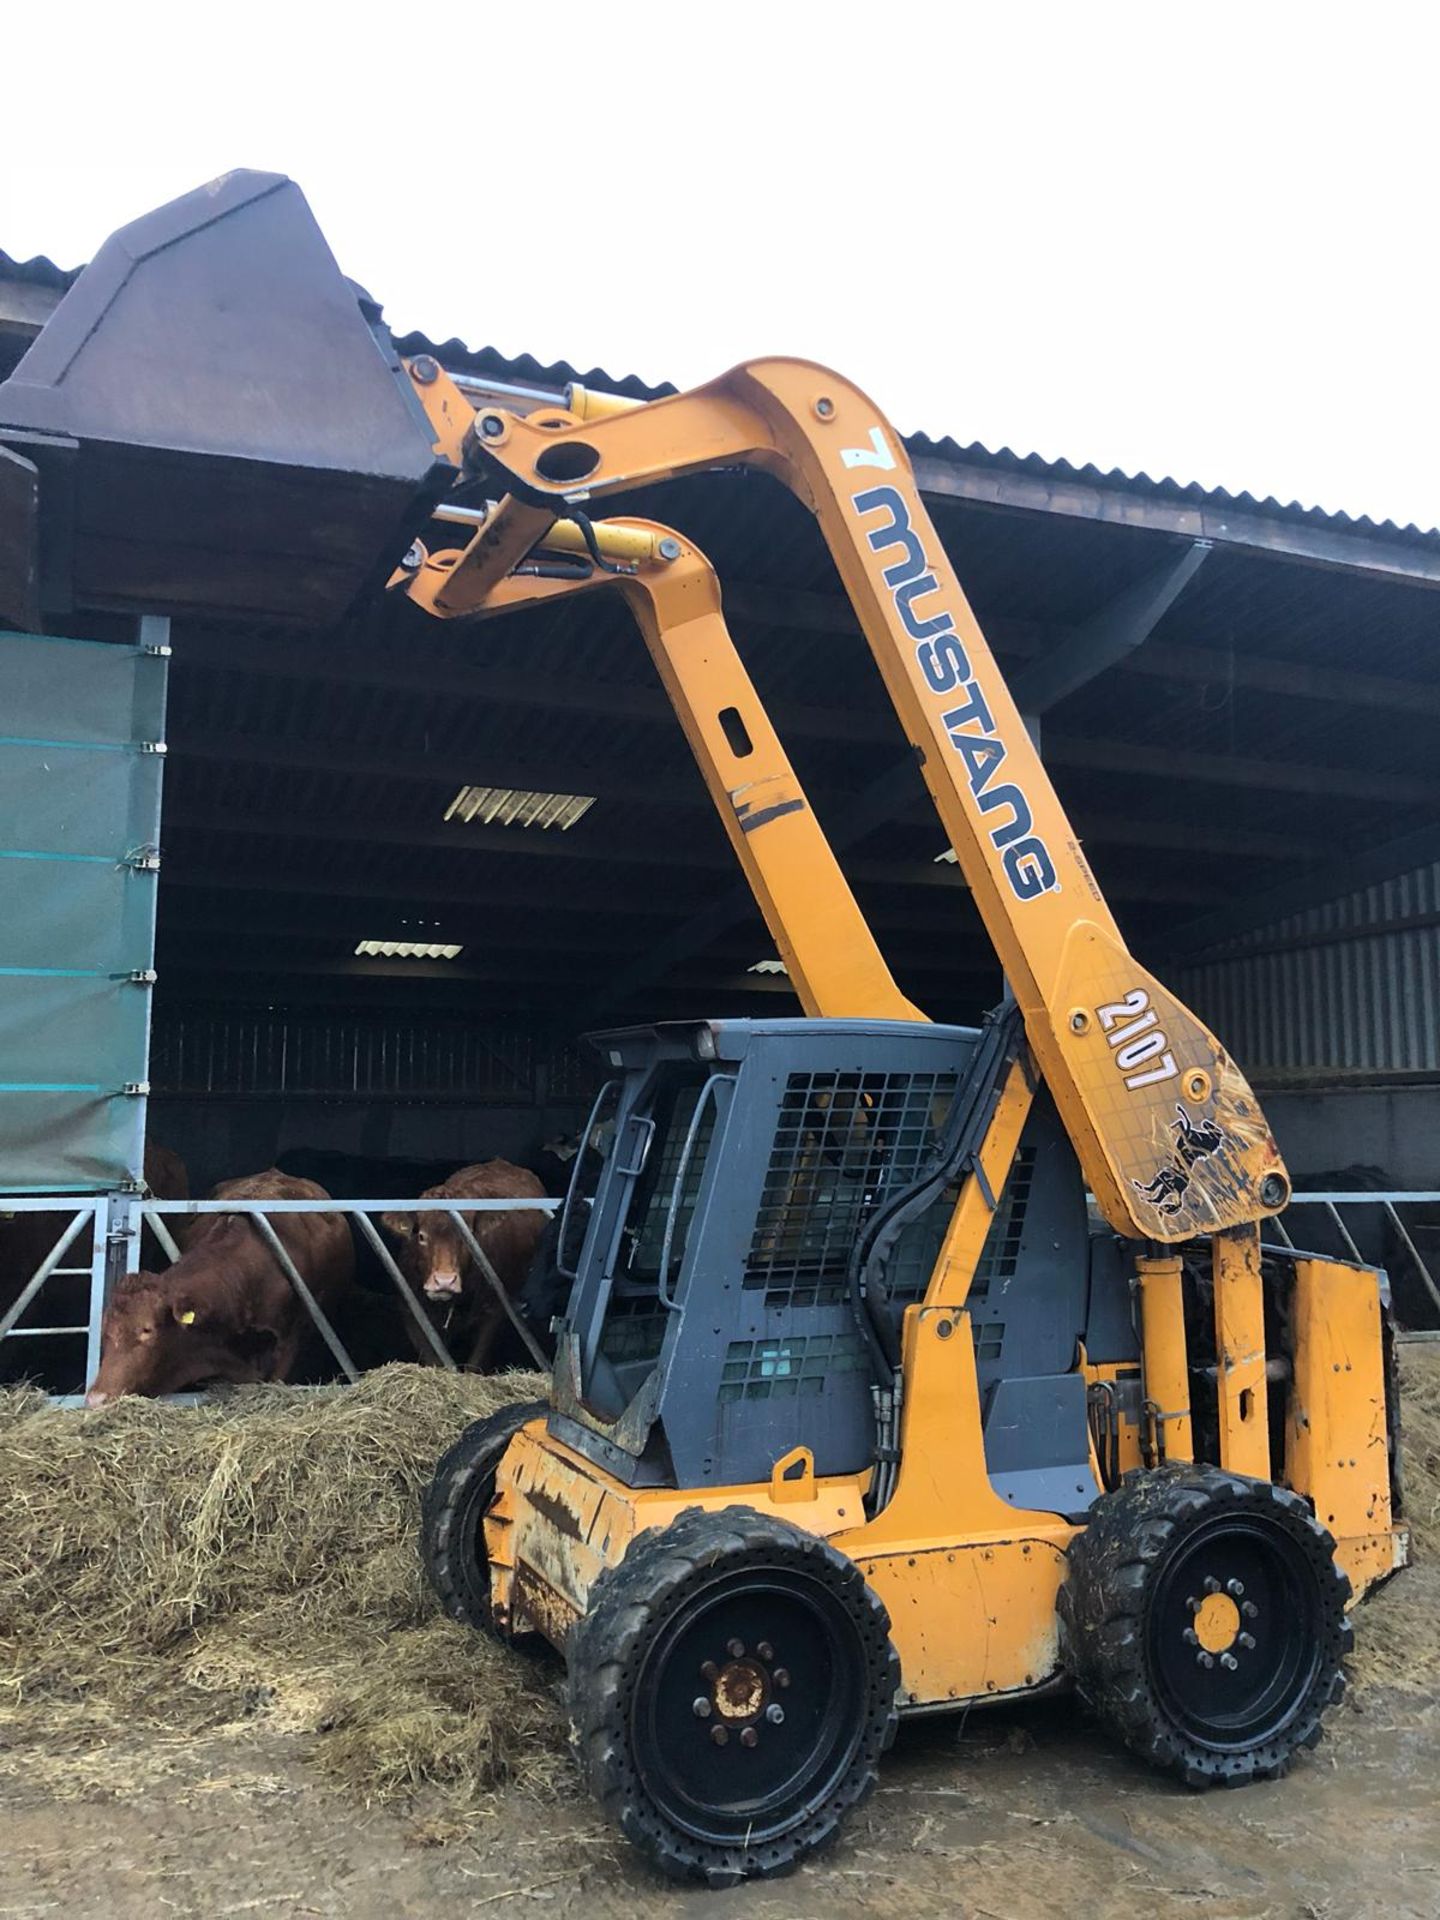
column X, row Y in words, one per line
column 783, row 1369
column 634, row 1330
column 844, row 1143
column 1001, row 1251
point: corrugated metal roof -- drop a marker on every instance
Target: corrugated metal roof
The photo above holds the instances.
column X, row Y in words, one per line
column 524, row 369
column 37, row 272
column 1165, row 488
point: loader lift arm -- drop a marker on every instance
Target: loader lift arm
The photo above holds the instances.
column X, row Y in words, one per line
column 671, row 588
column 1168, row 1132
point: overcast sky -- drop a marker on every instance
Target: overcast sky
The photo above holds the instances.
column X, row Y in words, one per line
column 1188, row 240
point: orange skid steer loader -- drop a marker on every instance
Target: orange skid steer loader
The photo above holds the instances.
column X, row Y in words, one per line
column 903, row 1366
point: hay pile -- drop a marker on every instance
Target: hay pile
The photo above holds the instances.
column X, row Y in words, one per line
column 174, row 1573
column 251, row 1564
column 1397, row 1630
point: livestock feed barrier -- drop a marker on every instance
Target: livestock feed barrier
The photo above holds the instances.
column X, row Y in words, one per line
column 98, row 1240
column 116, row 1222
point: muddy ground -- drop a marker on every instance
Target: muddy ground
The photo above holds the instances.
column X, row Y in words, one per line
column 191, row 1725
column 1012, row 1815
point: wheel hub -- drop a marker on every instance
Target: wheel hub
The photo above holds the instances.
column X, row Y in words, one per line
column 739, row 1696
column 741, row 1690
column 1217, row 1622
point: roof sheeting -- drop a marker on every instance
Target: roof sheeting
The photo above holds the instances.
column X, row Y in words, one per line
column 524, row 369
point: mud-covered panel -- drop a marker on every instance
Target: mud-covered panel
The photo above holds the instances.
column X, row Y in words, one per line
column 969, row 1622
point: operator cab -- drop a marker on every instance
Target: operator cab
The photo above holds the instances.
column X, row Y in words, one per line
column 720, row 1315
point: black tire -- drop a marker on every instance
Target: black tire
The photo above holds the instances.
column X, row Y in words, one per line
column 812, row 1635
column 1244, row 1562
column 452, row 1542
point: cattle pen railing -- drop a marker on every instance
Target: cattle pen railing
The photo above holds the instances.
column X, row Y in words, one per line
column 1362, row 1226
column 117, row 1221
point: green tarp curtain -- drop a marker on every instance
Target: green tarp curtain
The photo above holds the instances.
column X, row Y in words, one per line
column 79, row 829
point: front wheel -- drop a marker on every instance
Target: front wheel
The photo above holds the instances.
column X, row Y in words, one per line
column 1203, row 1617
column 452, row 1534
column 732, row 1688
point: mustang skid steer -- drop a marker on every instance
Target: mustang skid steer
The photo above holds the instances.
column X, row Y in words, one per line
column 857, row 1411
column 904, row 1366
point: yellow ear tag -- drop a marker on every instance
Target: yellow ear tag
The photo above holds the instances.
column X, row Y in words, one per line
column 187, row 1319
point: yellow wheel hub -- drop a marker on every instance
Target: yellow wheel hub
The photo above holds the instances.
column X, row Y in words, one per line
column 1217, row 1623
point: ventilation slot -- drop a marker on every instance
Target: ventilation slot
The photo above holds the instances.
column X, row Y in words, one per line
column 785, row 1369
column 989, row 1341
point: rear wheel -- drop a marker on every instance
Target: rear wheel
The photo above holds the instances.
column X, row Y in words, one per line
column 732, row 1689
column 452, row 1538
column 1204, row 1620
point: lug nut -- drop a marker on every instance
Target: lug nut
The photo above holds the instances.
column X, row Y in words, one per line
column 765, row 1650
column 749, row 1737
column 1212, row 1585
column 1229, row 1662
column 775, row 1714
column 782, row 1676
column 720, row 1736
column 1204, row 1660
column 1191, row 1637
column 1235, row 1589
column 700, row 1708
column 709, row 1670
column 1250, row 1610
column 1247, row 1640
column 735, row 1649
column 1193, row 1604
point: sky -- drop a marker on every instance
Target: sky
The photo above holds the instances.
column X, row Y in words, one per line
column 1196, row 241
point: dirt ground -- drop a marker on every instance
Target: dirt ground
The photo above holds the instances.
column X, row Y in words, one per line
column 280, row 1798
column 1012, row 1815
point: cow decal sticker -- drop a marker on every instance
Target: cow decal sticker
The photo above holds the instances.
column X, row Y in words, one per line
column 1167, row 1189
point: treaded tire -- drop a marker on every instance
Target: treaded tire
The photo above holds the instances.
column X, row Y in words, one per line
column 1119, row 1609
column 683, row 1588
column 452, row 1545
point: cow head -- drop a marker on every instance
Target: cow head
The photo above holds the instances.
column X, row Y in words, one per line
column 431, row 1251
column 161, row 1337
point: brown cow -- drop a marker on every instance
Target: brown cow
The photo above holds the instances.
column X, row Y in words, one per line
column 226, row 1309
column 435, row 1259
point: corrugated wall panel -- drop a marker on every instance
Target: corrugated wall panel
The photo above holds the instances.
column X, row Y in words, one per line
column 1340, row 986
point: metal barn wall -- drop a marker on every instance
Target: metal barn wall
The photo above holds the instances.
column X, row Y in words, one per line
column 1350, row 987
column 1335, row 1015
column 238, row 1088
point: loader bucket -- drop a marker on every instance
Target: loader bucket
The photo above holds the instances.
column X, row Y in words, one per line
column 219, row 422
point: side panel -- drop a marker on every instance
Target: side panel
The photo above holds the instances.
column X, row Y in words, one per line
column 1336, row 1439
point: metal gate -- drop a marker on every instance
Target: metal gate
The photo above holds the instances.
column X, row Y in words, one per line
column 109, row 1229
